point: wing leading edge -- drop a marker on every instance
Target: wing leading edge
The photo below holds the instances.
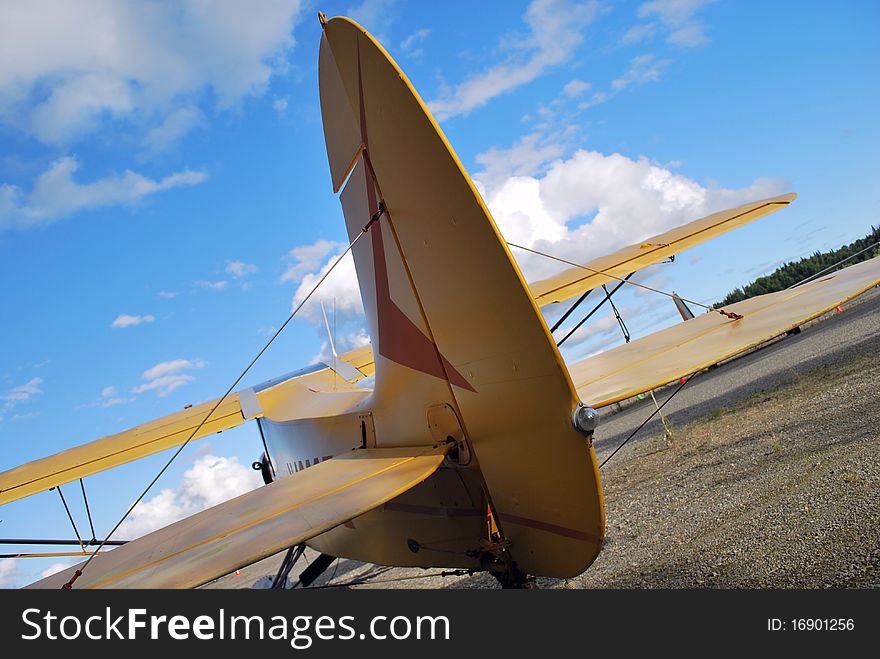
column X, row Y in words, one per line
column 577, row 280
column 291, row 396
column 260, row 523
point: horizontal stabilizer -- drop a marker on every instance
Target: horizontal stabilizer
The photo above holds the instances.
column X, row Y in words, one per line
column 685, row 348
column 260, row 523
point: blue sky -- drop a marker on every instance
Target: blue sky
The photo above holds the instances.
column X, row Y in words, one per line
column 165, row 197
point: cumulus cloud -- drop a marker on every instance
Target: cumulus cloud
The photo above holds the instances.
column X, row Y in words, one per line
column 239, row 269
column 526, row 156
column 577, row 208
column 306, row 258
column 67, row 67
column 339, row 291
column 124, row 320
column 165, row 377
column 555, row 30
column 339, row 294
column 592, row 204
column 210, row 481
column 56, row 194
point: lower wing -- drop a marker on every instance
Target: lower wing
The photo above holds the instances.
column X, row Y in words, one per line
column 686, row 348
column 255, row 525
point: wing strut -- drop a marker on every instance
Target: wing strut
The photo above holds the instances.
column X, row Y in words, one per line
column 290, row 558
column 617, row 314
column 72, row 523
column 612, row 276
column 570, row 311
column 607, row 298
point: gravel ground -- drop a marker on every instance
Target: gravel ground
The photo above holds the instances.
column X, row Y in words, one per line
column 770, row 479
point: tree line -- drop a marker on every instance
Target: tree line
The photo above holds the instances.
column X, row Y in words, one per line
column 793, row 272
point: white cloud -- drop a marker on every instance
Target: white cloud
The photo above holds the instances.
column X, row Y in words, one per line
column 168, row 295
column 340, row 291
column 575, row 88
column 164, row 368
column 591, row 204
column 408, row 45
column 280, row 106
column 214, row 285
column 555, row 31
column 124, row 320
column 306, row 258
column 642, row 69
column 173, row 127
column 596, row 99
column 240, row 269
column 165, row 377
column 56, row 194
column 109, row 398
column 9, row 573
column 639, row 33
column 677, row 17
column 526, row 156
column 68, row 66
column 22, row 393
column 210, row 481
column 374, row 15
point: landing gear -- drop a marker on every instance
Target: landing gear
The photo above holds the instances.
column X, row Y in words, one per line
column 496, row 560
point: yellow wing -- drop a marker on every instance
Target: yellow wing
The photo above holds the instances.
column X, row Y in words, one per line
column 286, row 398
column 632, row 258
column 260, row 523
column 686, row 348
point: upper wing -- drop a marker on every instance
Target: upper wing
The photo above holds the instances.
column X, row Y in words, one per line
column 291, row 396
column 259, row 523
column 632, row 258
column 686, row 348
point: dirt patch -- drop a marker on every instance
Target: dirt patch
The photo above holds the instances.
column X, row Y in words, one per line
column 779, row 490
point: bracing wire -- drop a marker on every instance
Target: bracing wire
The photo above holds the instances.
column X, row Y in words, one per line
column 645, row 422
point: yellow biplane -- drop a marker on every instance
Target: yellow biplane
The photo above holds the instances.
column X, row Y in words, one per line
column 474, row 447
